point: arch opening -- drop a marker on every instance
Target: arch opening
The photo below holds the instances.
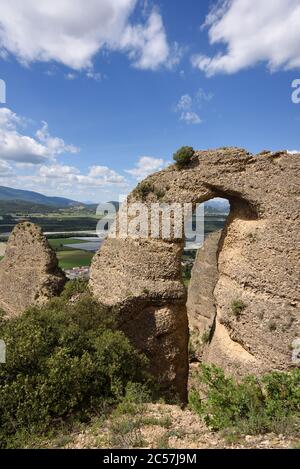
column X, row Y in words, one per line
column 200, row 268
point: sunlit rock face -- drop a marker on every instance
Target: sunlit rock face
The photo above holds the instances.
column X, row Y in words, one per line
column 29, row 272
column 201, row 305
column 257, row 266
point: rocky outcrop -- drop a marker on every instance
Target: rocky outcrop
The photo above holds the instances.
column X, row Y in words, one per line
column 201, row 306
column 142, row 280
column 258, row 266
column 29, row 272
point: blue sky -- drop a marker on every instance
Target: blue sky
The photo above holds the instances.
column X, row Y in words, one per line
column 100, row 95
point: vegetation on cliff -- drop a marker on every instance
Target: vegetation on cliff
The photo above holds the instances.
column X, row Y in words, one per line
column 68, row 367
column 183, row 156
column 65, row 360
column 251, row 406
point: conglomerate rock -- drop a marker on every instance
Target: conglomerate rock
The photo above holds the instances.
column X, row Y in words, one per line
column 201, row 306
column 29, row 272
column 257, row 267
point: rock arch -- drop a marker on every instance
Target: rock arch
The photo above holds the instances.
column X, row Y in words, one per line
column 257, row 264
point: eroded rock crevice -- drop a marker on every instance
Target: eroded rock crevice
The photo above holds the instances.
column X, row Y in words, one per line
column 201, row 306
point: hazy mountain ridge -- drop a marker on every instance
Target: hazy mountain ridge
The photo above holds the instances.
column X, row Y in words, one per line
column 10, row 194
column 22, row 206
column 14, row 200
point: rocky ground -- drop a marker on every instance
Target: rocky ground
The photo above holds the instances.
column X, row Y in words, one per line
column 161, row 426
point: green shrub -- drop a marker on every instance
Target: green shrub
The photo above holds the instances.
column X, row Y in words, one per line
column 126, row 433
column 160, row 193
column 62, row 360
column 191, row 350
column 143, row 189
column 186, row 271
column 183, row 156
column 251, row 406
column 163, row 442
column 127, row 419
column 74, row 287
column 205, row 337
column 133, row 403
column 237, row 307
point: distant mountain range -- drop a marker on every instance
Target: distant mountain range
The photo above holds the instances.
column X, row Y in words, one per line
column 12, row 200
column 217, row 206
column 8, row 194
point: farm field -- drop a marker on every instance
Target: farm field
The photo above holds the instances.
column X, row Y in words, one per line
column 59, row 244
column 69, row 259
column 75, row 257
column 62, row 220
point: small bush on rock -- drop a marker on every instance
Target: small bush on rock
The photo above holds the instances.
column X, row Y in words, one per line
column 237, row 307
column 183, row 156
column 143, row 189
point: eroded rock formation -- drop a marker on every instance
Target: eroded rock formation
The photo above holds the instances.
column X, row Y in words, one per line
column 201, row 305
column 29, row 272
column 258, row 266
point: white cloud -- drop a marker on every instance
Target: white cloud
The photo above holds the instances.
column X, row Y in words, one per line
column 52, row 73
column 146, row 44
column 15, row 146
column 94, row 75
column 146, row 165
column 5, row 169
column 32, row 162
column 293, row 152
column 106, row 174
column 190, row 117
column 254, row 31
column 73, row 32
column 69, row 181
column 203, row 95
column 64, row 174
column 8, row 119
column 184, row 103
column 175, row 55
column 70, row 76
column 57, row 171
column 185, row 107
column 55, row 145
